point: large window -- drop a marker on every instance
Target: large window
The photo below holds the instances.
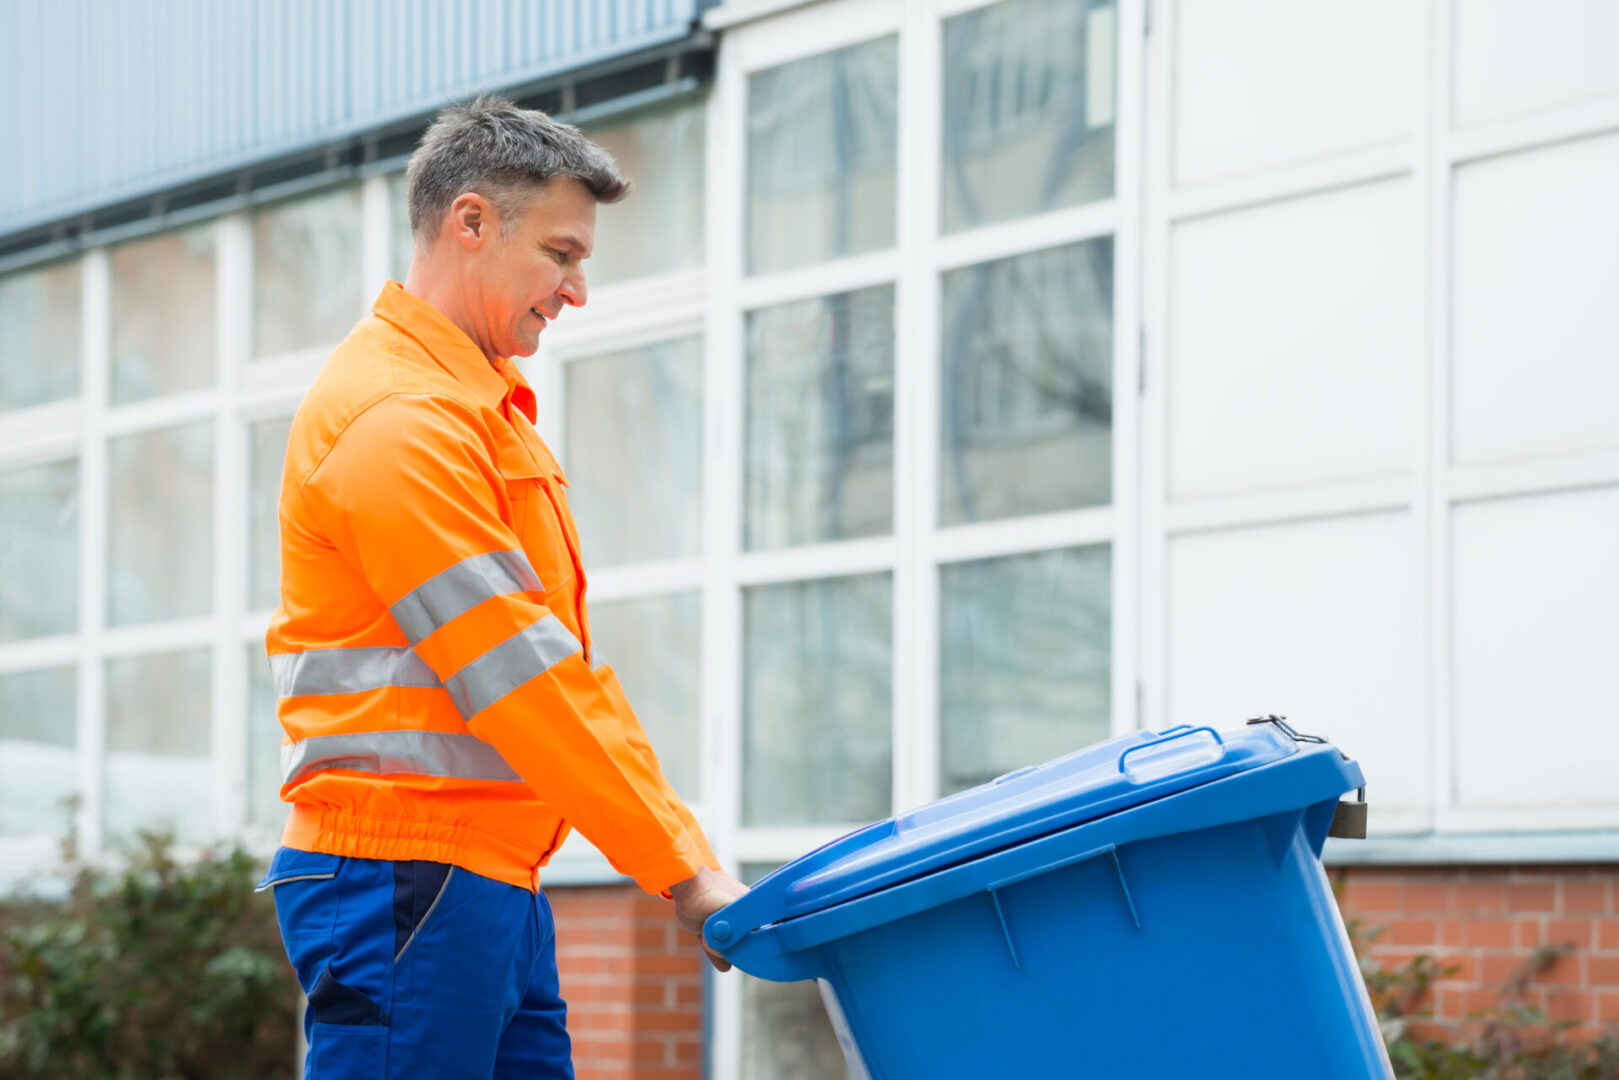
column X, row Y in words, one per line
column 40, row 335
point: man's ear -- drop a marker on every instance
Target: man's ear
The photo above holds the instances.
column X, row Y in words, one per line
column 471, row 219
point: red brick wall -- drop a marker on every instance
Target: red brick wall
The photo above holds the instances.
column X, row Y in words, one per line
column 633, row 983
column 1486, row 921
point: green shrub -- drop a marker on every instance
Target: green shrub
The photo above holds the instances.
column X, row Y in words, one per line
column 162, row 970
column 1512, row 1040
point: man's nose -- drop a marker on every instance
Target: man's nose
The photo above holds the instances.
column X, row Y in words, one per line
column 572, row 290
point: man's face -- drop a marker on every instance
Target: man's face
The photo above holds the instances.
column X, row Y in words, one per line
column 527, row 277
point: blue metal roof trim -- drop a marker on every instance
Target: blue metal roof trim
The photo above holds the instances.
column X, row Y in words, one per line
column 104, row 101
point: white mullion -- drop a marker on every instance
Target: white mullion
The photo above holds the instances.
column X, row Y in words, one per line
column 376, row 234
column 228, row 725
column 650, row 327
column 1433, row 515
column 163, row 412
column 1302, row 503
column 120, row 642
column 916, row 591
column 1313, row 177
column 719, row 695
column 32, row 653
column 93, row 513
column 40, row 434
column 645, row 580
column 1152, row 634
column 811, row 30
column 778, row 843
column 1024, row 535
column 1127, row 320
column 1532, row 131
column 815, row 562
column 823, row 279
column 1055, row 228
column 1469, row 483
column 632, row 308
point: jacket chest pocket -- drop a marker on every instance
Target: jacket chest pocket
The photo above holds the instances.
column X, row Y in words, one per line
column 532, row 494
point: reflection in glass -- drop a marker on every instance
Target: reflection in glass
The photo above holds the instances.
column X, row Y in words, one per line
column 267, row 449
column 158, row 774
column 1027, row 385
column 817, row 701
column 654, row 645
column 822, row 140
column 1028, row 109
column 820, row 420
column 634, row 452
column 38, row 763
column 1024, row 661
column 785, row 1033
column 160, row 524
column 40, row 335
column 264, row 805
column 39, row 550
column 163, row 328
column 659, row 228
column 399, row 236
column 306, row 273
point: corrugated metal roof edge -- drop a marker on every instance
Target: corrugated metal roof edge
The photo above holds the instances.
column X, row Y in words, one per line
column 577, row 93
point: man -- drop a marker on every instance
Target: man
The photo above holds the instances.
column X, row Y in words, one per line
column 448, row 720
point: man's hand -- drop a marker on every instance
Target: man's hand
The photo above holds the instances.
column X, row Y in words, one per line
column 700, row 896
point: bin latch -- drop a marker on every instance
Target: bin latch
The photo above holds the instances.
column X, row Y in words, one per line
column 1285, row 728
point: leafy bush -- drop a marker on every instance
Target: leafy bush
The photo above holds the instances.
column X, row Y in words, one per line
column 1512, row 1040
column 164, row 970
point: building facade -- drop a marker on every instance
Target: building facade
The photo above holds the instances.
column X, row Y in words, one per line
column 966, row 382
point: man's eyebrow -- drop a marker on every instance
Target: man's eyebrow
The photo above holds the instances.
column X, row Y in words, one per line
column 566, row 241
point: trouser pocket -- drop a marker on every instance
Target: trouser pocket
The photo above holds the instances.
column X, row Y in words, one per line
column 419, row 886
column 346, row 1052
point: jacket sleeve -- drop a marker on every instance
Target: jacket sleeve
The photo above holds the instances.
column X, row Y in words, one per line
column 635, row 735
column 411, row 496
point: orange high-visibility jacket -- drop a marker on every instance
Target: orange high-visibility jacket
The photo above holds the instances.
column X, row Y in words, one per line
column 431, row 652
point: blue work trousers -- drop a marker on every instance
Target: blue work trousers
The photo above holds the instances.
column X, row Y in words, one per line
column 418, row 969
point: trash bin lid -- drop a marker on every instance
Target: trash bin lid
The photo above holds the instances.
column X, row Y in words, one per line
column 1101, row 779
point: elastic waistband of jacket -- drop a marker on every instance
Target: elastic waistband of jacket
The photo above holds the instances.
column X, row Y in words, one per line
column 363, row 836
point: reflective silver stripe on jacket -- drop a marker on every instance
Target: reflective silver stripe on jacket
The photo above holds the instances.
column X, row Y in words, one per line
column 546, row 643
column 595, row 657
column 349, row 671
column 456, row 591
column 426, row 753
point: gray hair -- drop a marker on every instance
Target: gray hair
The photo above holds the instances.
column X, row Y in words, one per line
column 503, row 153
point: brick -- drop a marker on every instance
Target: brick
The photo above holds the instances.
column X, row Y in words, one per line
column 1495, row 969
column 1480, row 897
column 1480, row 1001
column 1608, row 1008
column 1371, row 896
column 1575, row 932
column 1608, row 933
column 1424, row 897
column 1462, row 967
column 1587, row 896
column 1411, row 932
column 1564, row 970
column 1450, row 931
column 1602, row 970
column 1532, row 896
column 1573, row 1006
column 1488, row 933
column 1531, row 932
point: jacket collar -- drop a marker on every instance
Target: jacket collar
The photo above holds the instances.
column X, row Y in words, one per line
column 498, row 385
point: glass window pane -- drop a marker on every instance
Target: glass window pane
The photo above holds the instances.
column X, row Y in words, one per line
column 160, row 524
column 635, row 452
column 158, row 774
column 399, row 236
column 820, row 420
column 785, row 1033
column 306, row 272
column 1028, row 109
column 659, row 228
column 817, row 701
column 654, row 646
column 822, row 139
column 38, row 762
column 40, row 336
column 163, row 328
column 1025, row 672
column 1027, row 384
column 267, row 447
column 39, row 550
column 264, row 805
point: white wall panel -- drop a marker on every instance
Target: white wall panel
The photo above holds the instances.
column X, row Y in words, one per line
column 1319, row 621
column 1259, row 83
column 1536, row 323
column 1514, row 58
column 1536, row 655
column 1295, row 338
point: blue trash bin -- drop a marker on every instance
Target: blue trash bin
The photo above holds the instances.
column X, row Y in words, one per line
column 1150, row 906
